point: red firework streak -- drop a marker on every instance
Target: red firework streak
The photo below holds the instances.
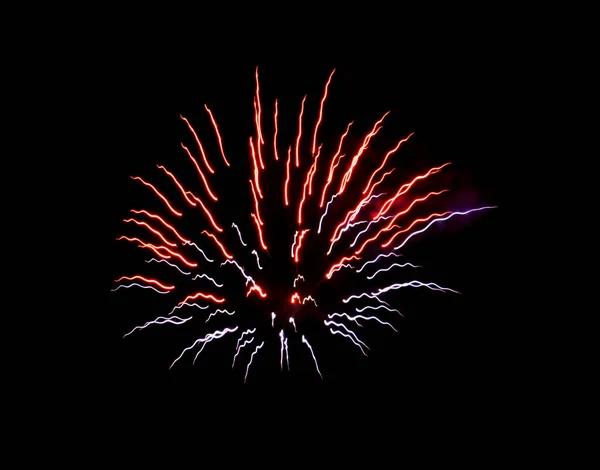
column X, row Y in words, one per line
column 367, row 225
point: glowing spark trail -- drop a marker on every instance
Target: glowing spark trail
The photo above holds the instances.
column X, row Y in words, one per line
column 346, row 206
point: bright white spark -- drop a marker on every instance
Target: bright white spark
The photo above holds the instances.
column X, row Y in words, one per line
column 305, row 341
column 200, row 276
column 345, row 335
column 294, row 244
column 135, row 284
column 160, row 321
column 273, row 319
column 298, row 277
column 170, row 264
column 219, row 310
column 351, row 334
column 382, row 270
column 287, row 357
column 429, row 285
column 252, row 357
column 325, row 213
column 365, row 230
column 377, row 307
column 239, row 234
column 355, row 319
column 282, row 339
column 255, row 253
column 249, row 279
column 364, row 294
column 207, row 339
column 343, row 265
column 237, row 346
column 248, row 341
column 293, row 323
column 308, row 298
column 374, row 260
column 199, row 249
column 186, row 304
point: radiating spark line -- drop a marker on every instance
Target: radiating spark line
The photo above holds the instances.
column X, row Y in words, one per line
column 187, row 304
column 297, row 255
column 252, row 357
column 365, row 230
column 156, row 232
column 347, row 335
column 281, row 338
column 313, row 170
column 321, row 112
column 171, row 252
column 223, row 250
column 202, row 295
column 208, row 338
column 249, row 279
column 301, row 203
column 219, row 310
column 287, row 177
column 256, row 288
column 144, row 245
column 325, row 213
column 259, row 230
column 298, row 277
column 200, row 276
column 339, row 264
column 170, row 264
column 305, row 341
column 397, row 265
column 287, row 357
column 441, row 220
column 299, row 132
column 258, row 143
column 201, row 251
column 239, row 234
column 154, row 216
column 293, row 324
column 259, row 117
column 201, row 173
column 255, row 203
column 355, row 319
column 256, row 175
column 377, row 307
column 294, row 244
column 146, row 280
column 428, row 285
column 135, row 284
column 335, row 161
column 160, row 321
column 239, row 348
column 178, row 184
column 272, row 319
column 199, row 146
column 383, row 255
column 275, row 135
column 207, row 212
column 159, row 194
column 214, row 123
column 255, row 253
column 364, row 294
column 385, row 160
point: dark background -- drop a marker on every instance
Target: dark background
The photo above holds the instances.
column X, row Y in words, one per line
column 452, row 353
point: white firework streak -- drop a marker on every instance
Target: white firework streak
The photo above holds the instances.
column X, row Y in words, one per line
column 219, row 310
column 308, row 298
column 273, row 319
column 249, row 279
column 305, row 341
column 187, row 304
column 429, row 285
column 282, row 339
column 237, row 346
column 383, row 270
column 287, row 357
column 200, row 250
column 298, row 277
column 355, row 319
column 255, row 253
column 325, row 213
column 385, row 255
column 170, row 264
column 200, row 276
column 135, row 284
column 441, row 219
column 377, row 307
column 350, row 334
column 365, row 230
column 248, row 341
column 343, row 265
column 364, row 294
column 160, row 321
column 294, row 244
column 239, row 234
column 252, row 357
column 207, row 339
column 293, row 323
column 349, row 225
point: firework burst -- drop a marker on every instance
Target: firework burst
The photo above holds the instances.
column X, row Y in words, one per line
column 311, row 245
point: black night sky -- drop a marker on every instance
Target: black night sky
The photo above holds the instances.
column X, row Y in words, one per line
column 448, row 353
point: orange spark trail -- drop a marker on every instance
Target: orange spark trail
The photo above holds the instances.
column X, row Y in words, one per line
column 259, row 108
column 386, row 244
column 364, row 146
column 256, row 288
column 297, row 254
column 199, row 146
column 258, row 148
column 154, row 216
column 299, row 132
column 218, row 134
column 339, row 263
column 321, row 113
column 255, row 168
column 156, row 232
column 178, row 214
column 202, row 295
column 303, row 195
column 295, row 296
column 190, row 202
column 314, row 170
column 223, row 250
column 275, row 136
column 404, row 189
column 206, row 211
column 256, row 203
column 212, row 196
column 332, row 166
column 143, row 245
column 391, row 225
column 149, row 281
column 260, row 234
column 177, row 255
column 385, row 160
column 287, row 176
